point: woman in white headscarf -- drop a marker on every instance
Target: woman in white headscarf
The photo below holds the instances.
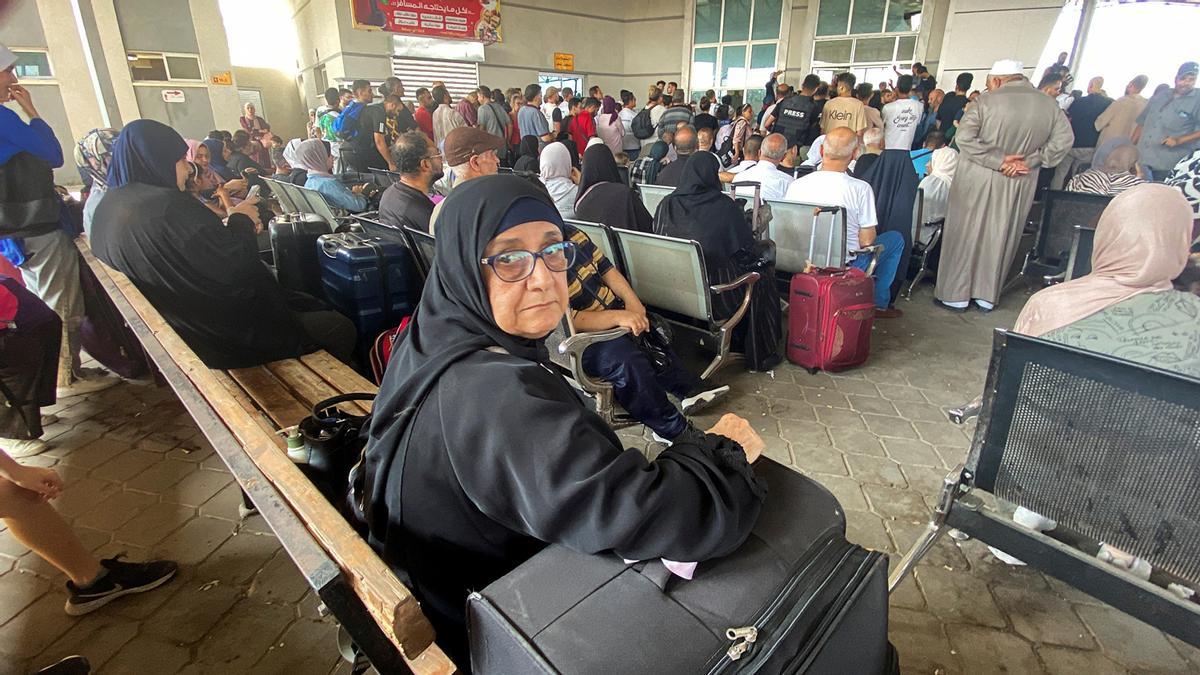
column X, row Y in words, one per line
column 559, row 178
column 313, row 156
column 936, row 187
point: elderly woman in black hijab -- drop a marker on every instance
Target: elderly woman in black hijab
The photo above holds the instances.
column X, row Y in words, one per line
column 202, row 275
column 605, row 198
column 699, row 210
column 479, row 453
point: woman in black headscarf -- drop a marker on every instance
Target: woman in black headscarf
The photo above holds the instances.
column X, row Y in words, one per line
column 605, row 198
column 699, row 210
column 479, row 453
column 528, row 161
column 202, row 275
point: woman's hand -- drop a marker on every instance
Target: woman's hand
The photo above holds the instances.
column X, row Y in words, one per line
column 636, row 323
column 45, row 482
column 24, row 99
column 236, row 185
column 739, row 431
column 357, row 189
column 575, row 175
column 249, row 207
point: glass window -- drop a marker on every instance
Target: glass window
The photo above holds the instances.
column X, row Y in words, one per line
column 833, row 17
column 32, row 64
column 868, row 16
column 874, row 49
column 147, row 68
column 766, row 19
column 733, row 67
column 897, row 10
column 704, row 68
column 832, row 51
column 737, row 20
column 708, row 21
column 906, row 49
column 184, row 67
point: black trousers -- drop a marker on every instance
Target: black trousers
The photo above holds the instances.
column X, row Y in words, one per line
column 28, row 364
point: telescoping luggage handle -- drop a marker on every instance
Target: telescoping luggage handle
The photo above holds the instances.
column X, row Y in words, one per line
column 812, row 241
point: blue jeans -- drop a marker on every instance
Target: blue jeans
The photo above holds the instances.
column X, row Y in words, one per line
column 885, row 268
column 633, row 154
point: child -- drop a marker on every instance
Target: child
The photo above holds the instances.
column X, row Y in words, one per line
column 282, row 168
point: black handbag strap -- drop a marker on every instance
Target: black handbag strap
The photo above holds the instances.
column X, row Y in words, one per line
column 328, row 403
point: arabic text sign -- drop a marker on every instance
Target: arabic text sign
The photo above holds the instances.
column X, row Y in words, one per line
column 455, row 19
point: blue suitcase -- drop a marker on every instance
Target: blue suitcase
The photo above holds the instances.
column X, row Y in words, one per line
column 375, row 301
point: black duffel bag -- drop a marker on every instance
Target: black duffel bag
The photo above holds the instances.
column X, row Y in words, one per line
column 795, row 598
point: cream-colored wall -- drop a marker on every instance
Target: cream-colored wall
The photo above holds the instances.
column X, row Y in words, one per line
column 284, row 109
column 979, row 32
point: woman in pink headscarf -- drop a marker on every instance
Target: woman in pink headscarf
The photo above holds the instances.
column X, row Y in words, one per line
column 1127, row 307
column 608, row 124
column 208, row 187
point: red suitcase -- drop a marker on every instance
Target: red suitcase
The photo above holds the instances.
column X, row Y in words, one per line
column 830, row 317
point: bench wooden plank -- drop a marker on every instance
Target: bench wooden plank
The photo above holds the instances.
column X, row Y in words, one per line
column 270, row 395
column 340, row 377
column 307, row 386
column 391, row 604
column 265, row 422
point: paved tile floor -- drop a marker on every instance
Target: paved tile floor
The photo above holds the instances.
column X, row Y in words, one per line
column 141, row 479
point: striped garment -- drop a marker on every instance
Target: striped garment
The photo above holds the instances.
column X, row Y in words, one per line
column 1097, row 182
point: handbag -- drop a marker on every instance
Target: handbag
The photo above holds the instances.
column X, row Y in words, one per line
column 335, row 440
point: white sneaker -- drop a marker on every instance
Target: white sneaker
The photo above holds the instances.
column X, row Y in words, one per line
column 660, row 439
column 701, row 397
column 88, row 385
column 18, row 449
column 1004, row 557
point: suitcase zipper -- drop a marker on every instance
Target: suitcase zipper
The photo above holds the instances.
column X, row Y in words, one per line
column 745, row 637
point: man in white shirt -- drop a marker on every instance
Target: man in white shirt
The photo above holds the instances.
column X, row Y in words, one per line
column 549, row 102
column 749, row 159
column 774, row 182
column 630, row 144
column 832, row 186
column 901, row 117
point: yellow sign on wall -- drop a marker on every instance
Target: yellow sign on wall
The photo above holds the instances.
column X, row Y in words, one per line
column 222, row 78
column 563, row 61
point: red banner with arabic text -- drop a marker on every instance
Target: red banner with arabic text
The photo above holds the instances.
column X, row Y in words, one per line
column 454, row 19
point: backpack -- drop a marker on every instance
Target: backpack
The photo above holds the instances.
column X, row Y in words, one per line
column 381, row 350
column 641, row 126
column 345, row 127
column 724, row 145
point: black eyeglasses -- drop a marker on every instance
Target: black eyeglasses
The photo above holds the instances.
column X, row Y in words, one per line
column 513, row 266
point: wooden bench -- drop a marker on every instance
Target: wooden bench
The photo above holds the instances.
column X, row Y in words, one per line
column 240, row 412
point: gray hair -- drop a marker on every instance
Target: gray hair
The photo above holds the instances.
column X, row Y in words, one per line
column 837, row 147
column 873, row 137
column 774, row 147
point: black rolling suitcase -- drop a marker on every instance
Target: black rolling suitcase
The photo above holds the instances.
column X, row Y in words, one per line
column 795, row 598
column 294, row 248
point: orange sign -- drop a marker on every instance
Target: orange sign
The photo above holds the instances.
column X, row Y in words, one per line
column 563, row 61
column 222, row 78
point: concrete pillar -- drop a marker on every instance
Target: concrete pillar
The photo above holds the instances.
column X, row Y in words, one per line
column 116, row 65
column 71, row 63
column 214, row 58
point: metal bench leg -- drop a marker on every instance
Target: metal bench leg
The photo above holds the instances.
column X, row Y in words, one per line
column 952, row 489
column 722, row 353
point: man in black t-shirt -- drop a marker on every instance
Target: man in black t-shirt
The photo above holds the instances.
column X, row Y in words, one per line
column 954, row 102
column 371, row 143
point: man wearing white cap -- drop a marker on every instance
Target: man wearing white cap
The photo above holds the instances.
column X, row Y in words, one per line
column 1003, row 139
column 29, row 219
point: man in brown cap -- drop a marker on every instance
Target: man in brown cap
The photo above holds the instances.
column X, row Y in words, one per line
column 470, row 152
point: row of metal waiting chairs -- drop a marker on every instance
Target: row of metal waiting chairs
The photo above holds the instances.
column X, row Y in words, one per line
column 807, row 233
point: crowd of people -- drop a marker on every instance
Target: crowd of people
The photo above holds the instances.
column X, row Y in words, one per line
column 180, row 218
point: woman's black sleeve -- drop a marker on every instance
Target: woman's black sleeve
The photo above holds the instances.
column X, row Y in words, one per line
column 539, row 463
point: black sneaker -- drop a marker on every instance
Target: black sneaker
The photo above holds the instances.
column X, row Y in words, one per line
column 701, row 396
column 122, row 579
